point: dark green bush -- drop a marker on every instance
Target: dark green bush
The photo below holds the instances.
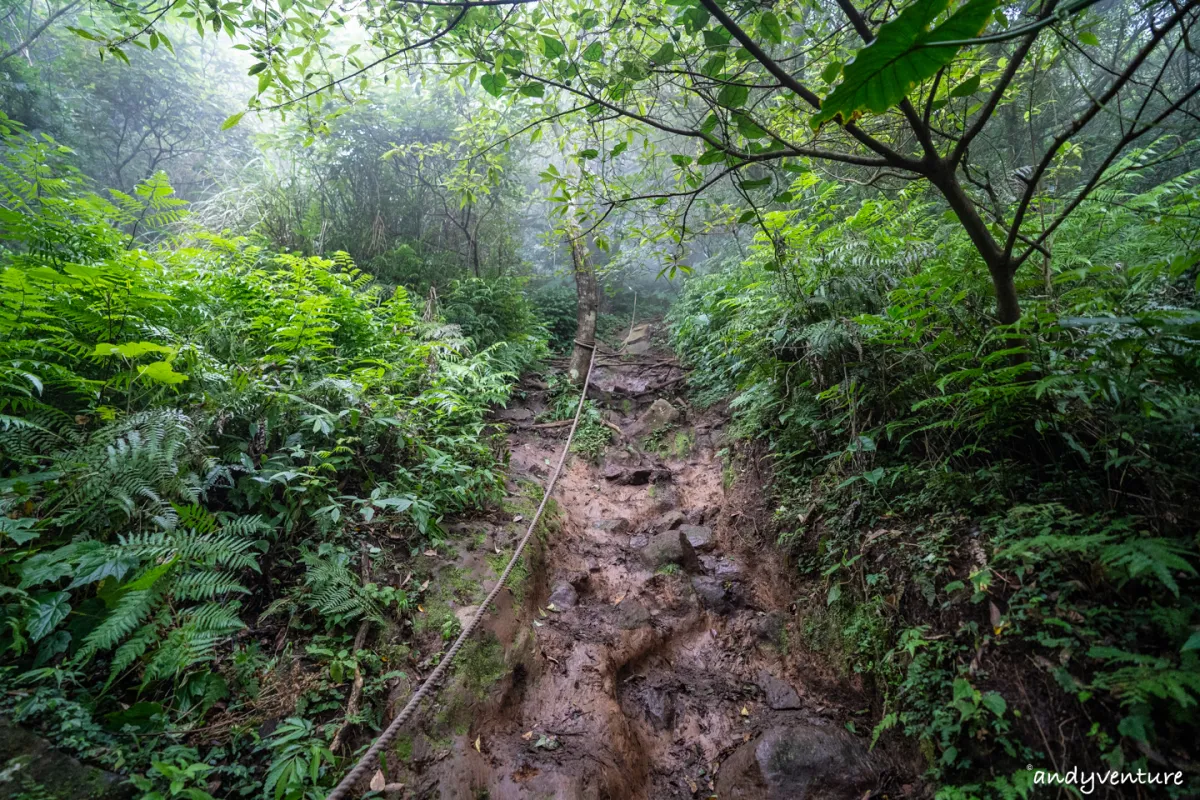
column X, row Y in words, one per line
column 490, row 311
column 987, row 508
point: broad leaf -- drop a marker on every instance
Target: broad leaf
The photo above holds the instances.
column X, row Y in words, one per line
column 885, row 71
column 493, row 83
column 50, row 610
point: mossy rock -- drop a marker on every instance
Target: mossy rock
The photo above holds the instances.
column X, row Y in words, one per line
column 29, row 763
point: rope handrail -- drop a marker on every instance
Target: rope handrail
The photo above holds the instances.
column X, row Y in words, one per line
column 371, row 758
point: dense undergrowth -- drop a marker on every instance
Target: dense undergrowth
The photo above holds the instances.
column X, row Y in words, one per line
column 201, row 442
column 1003, row 520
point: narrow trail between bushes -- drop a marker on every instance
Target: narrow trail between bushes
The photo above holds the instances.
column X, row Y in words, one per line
column 651, row 652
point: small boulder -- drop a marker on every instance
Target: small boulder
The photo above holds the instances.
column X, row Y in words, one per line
column 639, row 541
column 31, row 766
column 660, row 708
column 669, row 521
column 711, row 593
column 611, row 525
column 659, row 415
column 700, row 536
column 671, row 547
column 627, row 476
column 779, row 694
column 563, row 597
column 798, row 762
column 728, row 570
column 632, row 614
column 513, row 415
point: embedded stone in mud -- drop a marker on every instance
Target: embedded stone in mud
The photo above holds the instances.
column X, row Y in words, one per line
column 671, row 547
column 728, row 570
column 611, row 525
column 711, row 593
column 780, row 695
column 628, row 476
column 632, row 614
column 700, row 536
column 797, row 762
column 669, row 521
column 660, row 707
column 660, row 414
column 564, row 596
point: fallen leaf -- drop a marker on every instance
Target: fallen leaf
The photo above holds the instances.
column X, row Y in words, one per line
column 518, row 517
column 378, row 781
column 404, row 582
column 620, row 597
column 537, row 624
column 424, row 586
column 527, row 736
column 745, row 711
column 999, row 623
column 693, row 786
column 431, row 553
column 477, row 739
column 746, row 737
column 552, row 607
column 421, row 608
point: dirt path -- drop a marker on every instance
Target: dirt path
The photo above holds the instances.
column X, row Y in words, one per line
column 652, row 653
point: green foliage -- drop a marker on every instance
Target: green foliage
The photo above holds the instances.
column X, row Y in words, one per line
column 903, row 54
column 192, row 430
column 555, row 306
column 490, row 311
column 985, row 508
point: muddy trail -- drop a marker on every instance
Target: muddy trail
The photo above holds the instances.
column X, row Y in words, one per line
column 649, row 649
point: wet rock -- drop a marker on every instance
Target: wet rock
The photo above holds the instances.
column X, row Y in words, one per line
column 513, row 415
column 659, row 415
column 671, row 547
column 632, row 614
column 797, row 762
column 28, row 760
column 711, row 593
column 727, row 569
column 660, row 708
column 700, row 536
column 639, row 541
column 779, row 694
column 611, row 525
column 628, row 476
column 669, row 521
column 563, row 597
column 638, row 341
column 768, row 627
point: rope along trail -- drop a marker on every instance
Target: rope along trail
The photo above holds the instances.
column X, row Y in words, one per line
column 371, row 758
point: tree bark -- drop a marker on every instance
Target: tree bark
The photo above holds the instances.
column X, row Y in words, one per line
column 1000, row 267
column 588, row 295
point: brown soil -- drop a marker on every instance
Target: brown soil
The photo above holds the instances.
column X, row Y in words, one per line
column 641, row 689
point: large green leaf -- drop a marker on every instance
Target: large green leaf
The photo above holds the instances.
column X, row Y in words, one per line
column 885, row 71
column 50, row 610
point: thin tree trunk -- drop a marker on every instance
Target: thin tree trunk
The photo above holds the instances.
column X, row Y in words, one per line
column 588, row 294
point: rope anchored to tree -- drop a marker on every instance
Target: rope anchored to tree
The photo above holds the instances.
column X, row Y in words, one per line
column 371, row 758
